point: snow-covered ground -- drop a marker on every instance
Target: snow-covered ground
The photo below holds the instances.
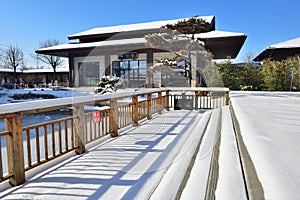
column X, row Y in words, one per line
column 5, row 94
column 270, row 127
column 134, row 162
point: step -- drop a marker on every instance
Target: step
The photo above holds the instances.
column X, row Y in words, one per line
column 196, row 184
column 171, row 183
column 230, row 181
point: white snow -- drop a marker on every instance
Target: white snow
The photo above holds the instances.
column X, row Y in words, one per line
column 196, row 184
column 134, row 163
column 134, row 27
column 127, row 167
column 105, row 43
column 230, row 183
column 293, row 43
column 6, row 94
column 132, row 41
column 173, row 178
column 218, row 34
column 270, row 127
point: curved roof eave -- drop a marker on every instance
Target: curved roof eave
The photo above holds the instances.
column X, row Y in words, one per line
column 222, row 44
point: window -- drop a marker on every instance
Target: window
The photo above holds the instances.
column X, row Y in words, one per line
column 133, row 72
column 89, row 74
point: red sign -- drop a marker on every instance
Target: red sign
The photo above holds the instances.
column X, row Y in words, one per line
column 96, row 117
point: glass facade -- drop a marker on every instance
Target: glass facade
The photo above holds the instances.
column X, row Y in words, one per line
column 133, row 72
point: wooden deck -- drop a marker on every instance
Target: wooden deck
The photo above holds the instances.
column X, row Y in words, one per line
column 126, row 167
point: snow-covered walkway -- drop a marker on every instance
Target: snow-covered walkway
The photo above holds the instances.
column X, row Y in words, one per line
column 127, row 167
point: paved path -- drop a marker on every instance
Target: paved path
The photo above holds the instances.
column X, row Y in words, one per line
column 127, row 167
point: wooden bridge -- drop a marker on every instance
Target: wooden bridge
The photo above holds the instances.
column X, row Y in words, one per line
column 112, row 144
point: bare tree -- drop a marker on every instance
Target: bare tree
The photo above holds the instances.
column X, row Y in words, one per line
column 248, row 57
column 54, row 61
column 13, row 57
column 1, row 57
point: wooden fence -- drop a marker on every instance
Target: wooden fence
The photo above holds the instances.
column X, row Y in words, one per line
column 23, row 148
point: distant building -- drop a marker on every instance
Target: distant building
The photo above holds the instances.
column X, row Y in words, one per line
column 122, row 50
column 34, row 76
column 281, row 51
column 253, row 64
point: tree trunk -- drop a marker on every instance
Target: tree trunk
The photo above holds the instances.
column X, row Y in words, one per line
column 54, row 74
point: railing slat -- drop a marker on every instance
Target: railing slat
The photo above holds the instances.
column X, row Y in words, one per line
column 37, row 143
column 59, row 139
column 66, row 135
column 28, row 148
column 53, row 140
column 45, row 142
column 1, row 168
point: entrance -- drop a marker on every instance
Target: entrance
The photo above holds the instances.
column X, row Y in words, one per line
column 89, row 74
column 133, row 72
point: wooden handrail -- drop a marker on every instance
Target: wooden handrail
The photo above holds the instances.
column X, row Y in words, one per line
column 75, row 131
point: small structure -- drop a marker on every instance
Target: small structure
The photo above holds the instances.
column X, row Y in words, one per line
column 281, row 51
column 34, row 76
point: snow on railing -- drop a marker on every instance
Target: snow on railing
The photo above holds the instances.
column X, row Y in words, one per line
column 23, row 148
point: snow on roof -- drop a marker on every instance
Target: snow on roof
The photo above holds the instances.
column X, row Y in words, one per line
column 133, row 27
column 34, row 70
column 95, row 44
column 61, row 69
column 293, row 43
column 208, row 35
column 217, row 34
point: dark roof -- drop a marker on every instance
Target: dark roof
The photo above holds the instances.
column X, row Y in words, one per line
column 281, row 51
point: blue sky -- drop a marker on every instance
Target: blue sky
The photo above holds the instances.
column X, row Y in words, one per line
column 27, row 23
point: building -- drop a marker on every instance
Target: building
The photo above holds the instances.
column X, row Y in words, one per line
column 281, row 51
column 124, row 51
column 32, row 77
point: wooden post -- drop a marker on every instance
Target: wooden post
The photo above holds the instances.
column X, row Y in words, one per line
column 160, row 106
column 167, row 106
column 227, row 98
column 196, row 100
column 113, row 118
column 15, row 151
column 149, row 77
column 149, row 102
column 135, row 111
column 80, row 133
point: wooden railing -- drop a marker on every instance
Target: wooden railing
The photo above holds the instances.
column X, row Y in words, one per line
column 23, row 148
column 48, row 140
column 199, row 98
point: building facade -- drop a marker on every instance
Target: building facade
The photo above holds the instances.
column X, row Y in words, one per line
column 125, row 51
